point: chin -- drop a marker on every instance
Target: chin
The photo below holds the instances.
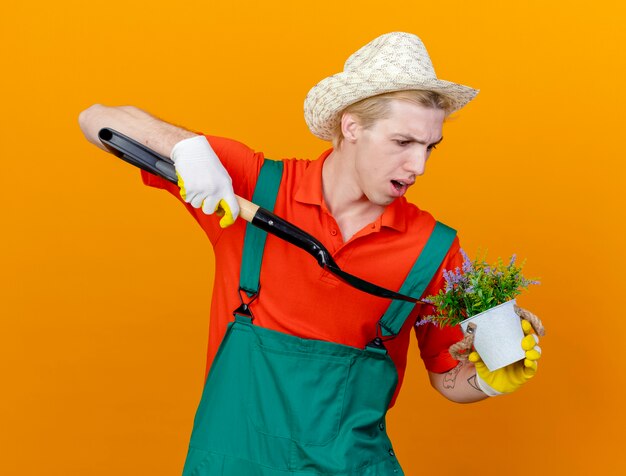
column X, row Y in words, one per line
column 382, row 201
column 379, row 199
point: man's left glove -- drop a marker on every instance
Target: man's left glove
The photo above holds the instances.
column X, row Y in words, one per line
column 509, row 378
column 203, row 180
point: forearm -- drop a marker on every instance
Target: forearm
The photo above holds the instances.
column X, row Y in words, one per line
column 154, row 133
column 459, row 384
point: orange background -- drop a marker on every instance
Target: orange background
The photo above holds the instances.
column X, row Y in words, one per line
column 105, row 283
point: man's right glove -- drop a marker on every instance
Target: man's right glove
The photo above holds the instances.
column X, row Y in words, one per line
column 203, row 180
column 509, row 378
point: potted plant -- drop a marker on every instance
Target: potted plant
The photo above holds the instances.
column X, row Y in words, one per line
column 481, row 299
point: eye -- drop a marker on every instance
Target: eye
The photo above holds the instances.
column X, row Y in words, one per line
column 403, row 143
column 431, row 148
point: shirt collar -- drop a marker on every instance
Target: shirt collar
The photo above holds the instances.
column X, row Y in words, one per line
column 310, row 191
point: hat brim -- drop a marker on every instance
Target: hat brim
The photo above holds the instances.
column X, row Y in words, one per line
column 330, row 96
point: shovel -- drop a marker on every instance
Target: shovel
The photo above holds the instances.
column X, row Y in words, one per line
column 146, row 159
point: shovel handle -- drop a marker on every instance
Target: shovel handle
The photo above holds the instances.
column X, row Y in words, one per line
column 141, row 156
column 146, row 159
column 247, row 209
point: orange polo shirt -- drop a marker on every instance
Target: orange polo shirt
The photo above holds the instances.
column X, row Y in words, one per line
column 296, row 295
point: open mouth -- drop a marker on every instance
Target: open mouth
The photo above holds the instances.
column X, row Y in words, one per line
column 400, row 186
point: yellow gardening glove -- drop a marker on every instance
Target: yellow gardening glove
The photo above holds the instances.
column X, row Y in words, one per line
column 203, row 180
column 509, row 378
column 222, row 209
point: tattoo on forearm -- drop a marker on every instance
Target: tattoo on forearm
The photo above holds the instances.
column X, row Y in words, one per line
column 473, row 383
column 449, row 379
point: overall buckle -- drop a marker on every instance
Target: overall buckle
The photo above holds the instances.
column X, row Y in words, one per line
column 378, row 343
column 244, row 308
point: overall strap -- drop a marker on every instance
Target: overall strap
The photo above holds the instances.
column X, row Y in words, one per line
column 264, row 195
column 419, row 277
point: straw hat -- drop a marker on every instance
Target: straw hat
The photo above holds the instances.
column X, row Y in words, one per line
column 392, row 62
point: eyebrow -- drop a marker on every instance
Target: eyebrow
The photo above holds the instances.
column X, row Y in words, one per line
column 408, row 137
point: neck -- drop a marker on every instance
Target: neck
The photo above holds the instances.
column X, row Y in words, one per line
column 343, row 196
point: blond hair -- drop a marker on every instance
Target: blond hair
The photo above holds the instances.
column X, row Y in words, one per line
column 370, row 110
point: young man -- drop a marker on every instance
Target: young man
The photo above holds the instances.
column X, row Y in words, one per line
column 298, row 382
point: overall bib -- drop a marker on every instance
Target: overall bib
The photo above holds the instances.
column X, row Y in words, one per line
column 275, row 404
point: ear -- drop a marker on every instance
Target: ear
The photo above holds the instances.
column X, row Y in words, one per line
column 349, row 127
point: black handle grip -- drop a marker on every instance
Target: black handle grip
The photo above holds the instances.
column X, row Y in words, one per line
column 137, row 154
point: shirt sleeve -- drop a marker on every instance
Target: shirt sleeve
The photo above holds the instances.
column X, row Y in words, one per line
column 242, row 164
column 434, row 341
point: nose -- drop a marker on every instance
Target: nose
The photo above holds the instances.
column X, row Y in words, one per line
column 416, row 163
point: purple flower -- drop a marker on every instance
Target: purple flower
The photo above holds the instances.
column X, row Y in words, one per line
column 460, row 278
column 513, row 259
column 470, row 290
column 467, row 262
column 449, row 280
column 424, row 321
column 452, row 277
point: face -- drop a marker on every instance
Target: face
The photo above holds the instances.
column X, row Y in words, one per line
column 392, row 153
